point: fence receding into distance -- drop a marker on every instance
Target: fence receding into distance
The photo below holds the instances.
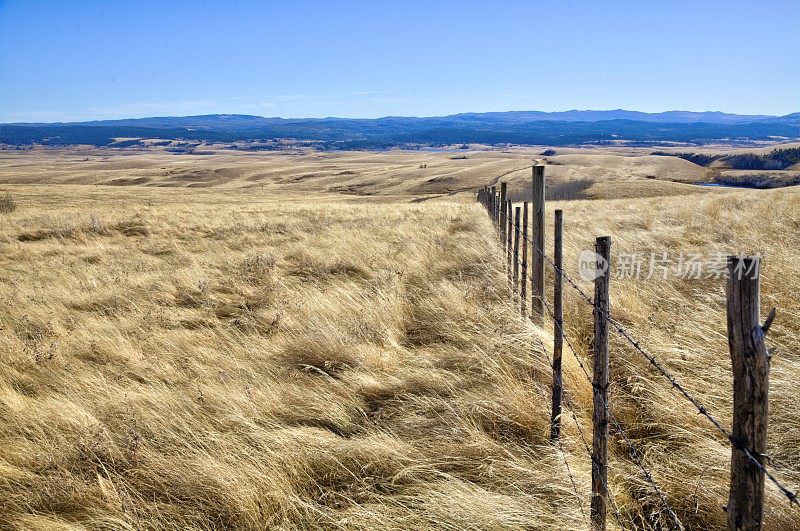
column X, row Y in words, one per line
column 746, row 337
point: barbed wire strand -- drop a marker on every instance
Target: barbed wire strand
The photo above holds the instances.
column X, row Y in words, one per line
column 571, row 477
column 568, row 403
column 609, row 496
column 634, row 453
column 620, row 329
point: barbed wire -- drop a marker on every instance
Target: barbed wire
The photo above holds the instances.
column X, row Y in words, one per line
column 609, row 495
column 634, row 453
column 570, row 407
column 571, row 477
column 620, row 329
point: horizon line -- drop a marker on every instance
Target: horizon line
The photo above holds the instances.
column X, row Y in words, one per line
column 393, row 115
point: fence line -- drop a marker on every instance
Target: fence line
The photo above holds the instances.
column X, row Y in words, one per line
column 743, row 508
column 620, row 329
column 571, row 409
column 619, row 429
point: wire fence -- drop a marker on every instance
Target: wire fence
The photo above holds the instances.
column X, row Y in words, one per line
column 628, row 337
column 634, row 453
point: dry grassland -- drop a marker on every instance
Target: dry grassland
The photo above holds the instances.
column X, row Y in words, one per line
column 282, row 351
column 353, row 174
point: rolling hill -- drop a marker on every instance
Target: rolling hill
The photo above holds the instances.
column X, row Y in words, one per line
column 521, row 127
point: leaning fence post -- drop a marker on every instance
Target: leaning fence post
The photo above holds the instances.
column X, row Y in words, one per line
column 600, row 384
column 509, row 243
column 516, row 249
column 558, row 331
column 537, row 262
column 503, row 191
column 750, row 363
column 524, row 273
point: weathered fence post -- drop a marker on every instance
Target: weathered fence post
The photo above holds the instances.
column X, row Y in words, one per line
column 600, row 383
column 509, row 244
column 558, row 324
column 517, row 212
column 497, row 212
column 537, row 237
column 493, row 201
column 503, row 191
column 524, row 273
column 750, row 363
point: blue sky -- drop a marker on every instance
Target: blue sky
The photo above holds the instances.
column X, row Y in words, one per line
column 78, row 60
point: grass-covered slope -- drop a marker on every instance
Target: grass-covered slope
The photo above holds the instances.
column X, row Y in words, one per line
column 208, row 360
column 216, row 362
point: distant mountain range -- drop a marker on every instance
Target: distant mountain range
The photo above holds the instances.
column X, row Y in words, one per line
column 516, row 127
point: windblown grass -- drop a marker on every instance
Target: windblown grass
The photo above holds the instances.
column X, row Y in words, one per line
column 682, row 322
column 208, row 360
column 251, row 364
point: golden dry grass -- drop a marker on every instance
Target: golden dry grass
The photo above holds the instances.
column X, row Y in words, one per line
column 350, row 175
column 683, row 324
column 219, row 362
column 252, row 358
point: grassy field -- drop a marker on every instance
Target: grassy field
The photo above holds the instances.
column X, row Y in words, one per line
column 325, row 340
column 352, row 174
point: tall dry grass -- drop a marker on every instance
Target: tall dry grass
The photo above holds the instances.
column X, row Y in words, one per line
column 682, row 322
column 7, row 203
column 229, row 363
column 209, row 360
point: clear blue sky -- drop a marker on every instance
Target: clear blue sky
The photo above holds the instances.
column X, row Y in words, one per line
column 77, row 60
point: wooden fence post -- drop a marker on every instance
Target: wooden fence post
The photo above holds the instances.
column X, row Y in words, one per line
column 497, row 212
column 537, row 237
column 503, row 191
column 558, row 331
column 750, row 363
column 493, row 202
column 509, row 245
column 600, row 384
column 524, row 273
column 517, row 212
